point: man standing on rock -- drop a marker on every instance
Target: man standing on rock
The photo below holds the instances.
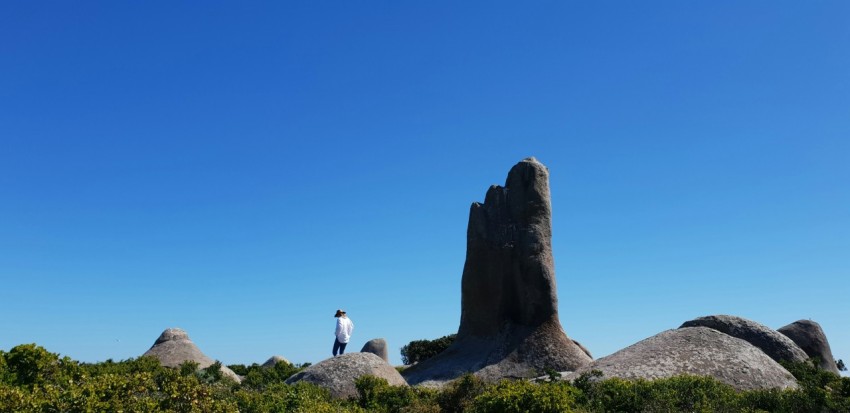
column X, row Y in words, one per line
column 344, row 327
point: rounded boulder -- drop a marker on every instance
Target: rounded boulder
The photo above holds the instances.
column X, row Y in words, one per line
column 696, row 351
column 773, row 343
column 273, row 360
column 338, row 374
column 810, row 337
column 378, row 347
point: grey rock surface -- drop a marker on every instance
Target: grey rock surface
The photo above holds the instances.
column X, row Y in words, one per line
column 699, row 351
column 273, row 360
column 583, row 348
column 378, row 347
column 337, row 374
column 509, row 323
column 810, row 337
column 773, row 343
column 173, row 347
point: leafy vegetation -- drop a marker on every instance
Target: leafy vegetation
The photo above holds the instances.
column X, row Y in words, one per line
column 34, row 380
column 420, row 350
column 257, row 377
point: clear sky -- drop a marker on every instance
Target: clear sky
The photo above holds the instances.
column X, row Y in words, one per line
column 243, row 169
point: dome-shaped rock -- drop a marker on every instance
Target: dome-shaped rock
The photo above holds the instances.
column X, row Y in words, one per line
column 698, row 351
column 337, row 374
column 173, row 347
column 274, row 360
column 774, row 344
column 378, row 347
column 810, row 337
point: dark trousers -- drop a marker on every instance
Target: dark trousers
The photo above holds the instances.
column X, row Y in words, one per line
column 339, row 346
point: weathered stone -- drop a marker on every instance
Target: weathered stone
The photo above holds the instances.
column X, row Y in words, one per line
column 698, row 351
column 774, row 344
column 173, row 347
column 273, row 360
column 583, row 348
column 378, row 347
column 509, row 323
column 810, row 337
column 337, row 374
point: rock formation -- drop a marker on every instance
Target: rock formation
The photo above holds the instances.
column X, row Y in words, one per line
column 378, row 347
column 811, row 338
column 698, row 351
column 337, row 374
column 509, row 324
column 173, row 347
column 273, row 360
column 774, row 344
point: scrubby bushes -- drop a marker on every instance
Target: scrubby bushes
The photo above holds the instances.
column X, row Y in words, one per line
column 421, row 350
column 35, row 380
column 677, row 394
column 458, row 396
column 819, row 391
column 258, row 377
column 524, row 396
column 301, row 397
column 376, row 395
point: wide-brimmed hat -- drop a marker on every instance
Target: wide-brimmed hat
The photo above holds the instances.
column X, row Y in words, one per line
column 339, row 313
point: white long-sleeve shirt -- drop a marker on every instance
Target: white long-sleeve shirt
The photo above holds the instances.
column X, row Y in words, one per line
column 344, row 327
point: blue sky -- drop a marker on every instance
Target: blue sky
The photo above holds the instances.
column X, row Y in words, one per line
column 243, row 170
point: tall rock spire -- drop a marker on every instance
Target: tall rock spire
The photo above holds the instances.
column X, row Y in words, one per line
column 509, row 323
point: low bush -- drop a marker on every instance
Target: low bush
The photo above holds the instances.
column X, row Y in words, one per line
column 521, row 396
column 459, row 395
column 376, row 395
column 301, row 397
column 258, row 377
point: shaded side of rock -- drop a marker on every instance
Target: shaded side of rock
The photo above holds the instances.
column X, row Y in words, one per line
column 173, row 348
column 810, row 337
column 698, row 351
column 378, row 347
column 273, row 360
column 337, row 374
column 774, row 344
column 509, row 323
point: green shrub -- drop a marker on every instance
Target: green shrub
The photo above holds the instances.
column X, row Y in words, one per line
column 258, row 377
column 29, row 364
column 675, row 394
column 420, row 350
column 144, row 364
column 458, row 396
column 211, row 374
column 820, row 390
column 14, row 399
column 688, row 393
column 522, row 396
column 376, row 395
column 301, row 397
column 5, row 374
column 188, row 368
